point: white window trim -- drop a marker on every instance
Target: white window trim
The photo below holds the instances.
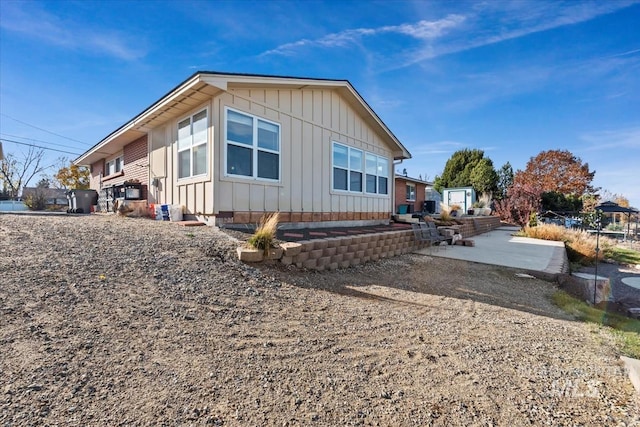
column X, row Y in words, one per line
column 254, row 147
column 362, row 170
column 348, row 169
column 412, row 191
column 191, row 146
column 114, row 163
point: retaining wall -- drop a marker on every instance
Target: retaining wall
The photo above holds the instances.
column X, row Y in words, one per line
column 474, row 225
column 342, row 252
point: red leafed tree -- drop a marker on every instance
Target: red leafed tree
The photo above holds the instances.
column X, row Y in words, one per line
column 522, row 200
column 558, row 171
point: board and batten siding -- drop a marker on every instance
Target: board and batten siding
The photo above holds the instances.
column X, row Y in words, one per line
column 195, row 194
column 309, row 121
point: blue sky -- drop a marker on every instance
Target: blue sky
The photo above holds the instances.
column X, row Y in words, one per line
column 510, row 78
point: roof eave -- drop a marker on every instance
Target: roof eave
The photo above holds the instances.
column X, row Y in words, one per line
column 141, row 123
column 128, row 131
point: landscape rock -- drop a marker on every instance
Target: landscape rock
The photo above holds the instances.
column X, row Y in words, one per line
column 108, row 320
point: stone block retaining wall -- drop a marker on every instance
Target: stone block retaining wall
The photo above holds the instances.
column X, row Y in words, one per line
column 342, row 252
column 472, row 226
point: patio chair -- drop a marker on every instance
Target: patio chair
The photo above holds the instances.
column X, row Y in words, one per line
column 422, row 233
column 434, row 233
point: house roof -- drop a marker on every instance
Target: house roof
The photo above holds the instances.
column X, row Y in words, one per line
column 205, row 84
column 610, row 207
column 416, row 180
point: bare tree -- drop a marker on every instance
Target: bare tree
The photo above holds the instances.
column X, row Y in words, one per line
column 16, row 173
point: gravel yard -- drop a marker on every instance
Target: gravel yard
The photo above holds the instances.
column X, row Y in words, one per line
column 109, row 321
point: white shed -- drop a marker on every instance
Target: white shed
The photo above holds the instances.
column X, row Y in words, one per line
column 465, row 197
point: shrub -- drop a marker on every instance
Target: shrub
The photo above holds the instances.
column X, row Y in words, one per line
column 265, row 235
column 581, row 246
column 35, row 201
column 445, row 216
column 521, row 200
column 546, row 232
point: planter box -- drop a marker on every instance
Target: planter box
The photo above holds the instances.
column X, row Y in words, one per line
column 274, row 253
column 258, row 255
column 250, row 255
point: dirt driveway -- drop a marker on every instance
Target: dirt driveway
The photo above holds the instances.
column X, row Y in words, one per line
column 108, row 321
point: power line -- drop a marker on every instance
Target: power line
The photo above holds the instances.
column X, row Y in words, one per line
column 44, row 130
column 35, row 140
column 37, row 146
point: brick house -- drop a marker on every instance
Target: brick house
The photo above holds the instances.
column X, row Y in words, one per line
column 409, row 194
column 111, row 174
column 231, row 147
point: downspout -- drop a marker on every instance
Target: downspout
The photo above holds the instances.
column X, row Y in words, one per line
column 393, row 192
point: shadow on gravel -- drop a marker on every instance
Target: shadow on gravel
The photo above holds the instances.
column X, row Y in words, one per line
column 428, row 276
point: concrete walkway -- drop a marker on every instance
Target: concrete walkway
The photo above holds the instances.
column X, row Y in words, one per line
column 501, row 247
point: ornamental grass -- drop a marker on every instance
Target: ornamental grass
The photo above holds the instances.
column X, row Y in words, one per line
column 264, row 236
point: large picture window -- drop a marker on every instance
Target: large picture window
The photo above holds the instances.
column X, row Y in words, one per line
column 192, row 145
column 357, row 171
column 252, row 146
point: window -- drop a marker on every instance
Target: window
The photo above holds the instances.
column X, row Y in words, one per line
column 252, row 146
column 383, row 174
column 347, row 168
column 192, row 145
column 411, row 192
column 357, row 171
column 114, row 166
column 371, row 167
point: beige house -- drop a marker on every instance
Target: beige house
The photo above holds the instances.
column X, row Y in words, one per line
column 231, row 147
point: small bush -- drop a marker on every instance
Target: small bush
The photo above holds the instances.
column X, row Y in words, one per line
column 35, row 202
column 445, row 216
column 265, row 235
column 581, row 246
column 546, row 232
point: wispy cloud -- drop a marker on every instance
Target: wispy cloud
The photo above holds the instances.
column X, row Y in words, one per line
column 616, row 177
column 496, row 22
column 485, row 24
column 32, row 21
column 615, row 76
column 609, row 139
column 629, row 52
column 422, row 30
column 611, row 153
